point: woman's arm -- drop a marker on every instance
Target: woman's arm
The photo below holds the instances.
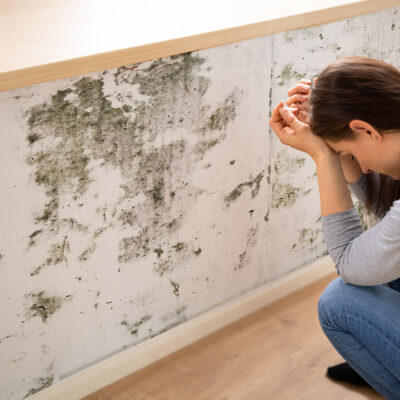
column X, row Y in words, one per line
column 361, row 258
column 333, row 191
column 365, row 258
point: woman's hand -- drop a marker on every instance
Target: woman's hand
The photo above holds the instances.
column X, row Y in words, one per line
column 297, row 134
column 299, row 96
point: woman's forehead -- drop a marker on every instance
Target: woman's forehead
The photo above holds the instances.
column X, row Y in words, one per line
column 341, row 146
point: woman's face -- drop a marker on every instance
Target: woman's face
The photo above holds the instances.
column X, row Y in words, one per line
column 373, row 151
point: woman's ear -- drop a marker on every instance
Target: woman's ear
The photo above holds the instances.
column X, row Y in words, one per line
column 359, row 126
column 362, row 127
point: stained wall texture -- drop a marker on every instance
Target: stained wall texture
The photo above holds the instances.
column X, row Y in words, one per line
column 137, row 198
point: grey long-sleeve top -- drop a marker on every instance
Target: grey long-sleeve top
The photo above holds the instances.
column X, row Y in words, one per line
column 369, row 257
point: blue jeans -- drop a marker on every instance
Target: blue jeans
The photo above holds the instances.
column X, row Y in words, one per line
column 363, row 324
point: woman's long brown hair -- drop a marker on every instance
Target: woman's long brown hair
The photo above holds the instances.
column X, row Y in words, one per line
column 359, row 88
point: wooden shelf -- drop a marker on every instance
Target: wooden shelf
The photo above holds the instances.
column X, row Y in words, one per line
column 45, row 40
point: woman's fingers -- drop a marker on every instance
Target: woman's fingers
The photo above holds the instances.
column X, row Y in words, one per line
column 290, row 119
column 276, row 120
column 302, row 88
column 297, row 98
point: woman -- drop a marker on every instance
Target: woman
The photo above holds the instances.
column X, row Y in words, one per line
column 349, row 123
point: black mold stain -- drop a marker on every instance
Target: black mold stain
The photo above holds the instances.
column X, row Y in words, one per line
column 235, row 194
column 197, row 252
column 80, row 125
column 159, row 251
column 176, row 288
column 33, row 235
column 134, row 328
column 42, row 383
column 179, row 246
column 44, row 306
column 251, row 241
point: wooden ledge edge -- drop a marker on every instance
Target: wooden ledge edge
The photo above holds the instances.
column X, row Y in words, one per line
column 98, row 62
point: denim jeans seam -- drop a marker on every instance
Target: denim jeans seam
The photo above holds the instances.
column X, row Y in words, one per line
column 393, row 345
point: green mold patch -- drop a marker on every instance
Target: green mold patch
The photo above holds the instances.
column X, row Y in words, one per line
column 310, row 238
column 203, row 146
column 254, row 184
column 251, row 241
column 223, row 115
column 85, row 254
column 134, row 247
column 284, row 195
column 134, row 328
column 164, row 265
column 284, row 163
column 288, row 73
column 41, row 383
column 289, row 36
column 57, row 252
column 44, row 306
column 81, row 125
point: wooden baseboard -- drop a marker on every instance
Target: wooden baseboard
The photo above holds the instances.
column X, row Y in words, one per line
column 117, row 367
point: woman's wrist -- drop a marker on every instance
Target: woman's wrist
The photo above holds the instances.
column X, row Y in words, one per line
column 323, row 155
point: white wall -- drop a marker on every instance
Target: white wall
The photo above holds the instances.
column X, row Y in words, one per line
column 96, row 252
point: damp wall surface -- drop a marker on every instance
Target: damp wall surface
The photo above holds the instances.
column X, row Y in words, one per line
column 137, row 198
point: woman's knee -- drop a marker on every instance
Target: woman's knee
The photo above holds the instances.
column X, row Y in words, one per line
column 334, row 299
